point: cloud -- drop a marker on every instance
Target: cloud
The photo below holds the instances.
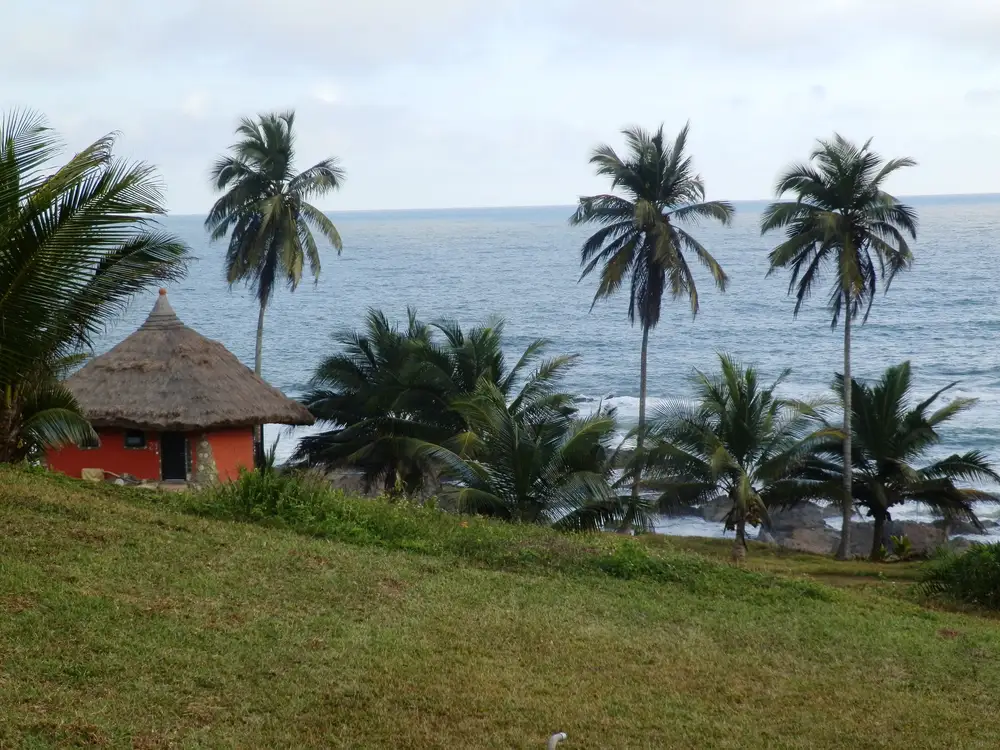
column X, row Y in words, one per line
column 81, row 39
column 476, row 102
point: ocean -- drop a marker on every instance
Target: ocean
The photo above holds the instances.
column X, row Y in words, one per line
column 523, row 264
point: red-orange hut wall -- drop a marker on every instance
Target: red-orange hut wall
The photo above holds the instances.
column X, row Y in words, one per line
column 231, row 449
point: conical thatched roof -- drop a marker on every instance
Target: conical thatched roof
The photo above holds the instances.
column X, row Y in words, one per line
column 166, row 376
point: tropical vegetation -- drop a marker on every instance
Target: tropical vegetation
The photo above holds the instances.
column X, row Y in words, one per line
column 643, row 237
column 390, row 389
column 840, row 217
column 891, row 437
column 739, row 441
column 972, row 577
column 535, row 460
column 78, row 241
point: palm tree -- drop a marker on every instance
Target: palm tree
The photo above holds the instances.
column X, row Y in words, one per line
column 642, row 238
column 841, row 217
column 265, row 210
column 39, row 413
column 77, row 242
column 739, row 441
column 390, row 389
column 534, row 460
column 890, row 437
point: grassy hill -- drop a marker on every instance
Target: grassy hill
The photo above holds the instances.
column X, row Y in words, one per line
column 127, row 621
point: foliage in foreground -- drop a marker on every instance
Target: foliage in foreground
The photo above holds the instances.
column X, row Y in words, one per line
column 77, row 242
column 307, row 505
column 972, row 577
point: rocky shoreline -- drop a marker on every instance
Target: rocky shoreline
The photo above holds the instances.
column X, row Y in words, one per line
column 805, row 528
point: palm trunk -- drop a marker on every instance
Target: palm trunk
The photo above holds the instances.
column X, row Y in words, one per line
column 642, row 412
column 739, row 551
column 878, row 537
column 260, row 341
column 258, row 433
column 847, row 505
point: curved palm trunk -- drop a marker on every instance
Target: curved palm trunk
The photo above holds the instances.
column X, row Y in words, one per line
column 847, row 506
column 258, row 433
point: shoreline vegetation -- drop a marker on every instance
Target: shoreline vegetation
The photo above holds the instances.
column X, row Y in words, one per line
column 430, row 402
column 501, row 586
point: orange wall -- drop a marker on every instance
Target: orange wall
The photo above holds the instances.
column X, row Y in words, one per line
column 232, row 449
column 112, row 456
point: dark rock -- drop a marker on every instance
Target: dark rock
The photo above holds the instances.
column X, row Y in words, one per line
column 803, row 515
column 817, row 541
column 925, row 537
column 965, row 527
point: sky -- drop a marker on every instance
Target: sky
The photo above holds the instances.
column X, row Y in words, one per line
column 453, row 103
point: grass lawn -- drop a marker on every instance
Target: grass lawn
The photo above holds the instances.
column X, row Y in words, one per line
column 125, row 622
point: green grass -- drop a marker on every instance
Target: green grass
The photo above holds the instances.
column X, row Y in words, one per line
column 137, row 620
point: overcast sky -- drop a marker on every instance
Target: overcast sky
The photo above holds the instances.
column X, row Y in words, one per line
column 446, row 103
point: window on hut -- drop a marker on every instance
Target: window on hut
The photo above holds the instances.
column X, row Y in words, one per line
column 135, row 439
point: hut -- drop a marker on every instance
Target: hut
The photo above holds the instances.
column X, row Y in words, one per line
column 170, row 405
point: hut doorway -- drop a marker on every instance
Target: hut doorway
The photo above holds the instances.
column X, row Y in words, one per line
column 173, row 457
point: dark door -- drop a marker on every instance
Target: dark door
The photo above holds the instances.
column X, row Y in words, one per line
column 173, row 456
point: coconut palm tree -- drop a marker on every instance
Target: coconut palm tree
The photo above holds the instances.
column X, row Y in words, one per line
column 841, row 218
column 534, row 460
column 644, row 235
column 890, row 437
column 391, row 388
column 266, row 213
column 740, row 441
column 77, row 242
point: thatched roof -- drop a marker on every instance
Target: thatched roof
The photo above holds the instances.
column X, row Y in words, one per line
column 166, row 376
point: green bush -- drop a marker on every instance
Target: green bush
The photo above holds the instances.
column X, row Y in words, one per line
column 306, row 504
column 972, row 577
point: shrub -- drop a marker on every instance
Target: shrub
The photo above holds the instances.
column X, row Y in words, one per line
column 972, row 577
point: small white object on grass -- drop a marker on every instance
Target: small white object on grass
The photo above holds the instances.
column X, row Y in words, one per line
column 555, row 740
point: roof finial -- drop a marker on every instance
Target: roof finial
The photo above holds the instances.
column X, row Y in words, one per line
column 163, row 292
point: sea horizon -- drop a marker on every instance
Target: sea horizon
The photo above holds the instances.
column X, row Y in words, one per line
column 738, row 203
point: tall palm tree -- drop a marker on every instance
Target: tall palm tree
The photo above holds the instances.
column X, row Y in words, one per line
column 889, row 437
column 265, row 210
column 740, row 441
column 390, row 388
column 643, row 238
column 841, row 218
column 77, row 242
